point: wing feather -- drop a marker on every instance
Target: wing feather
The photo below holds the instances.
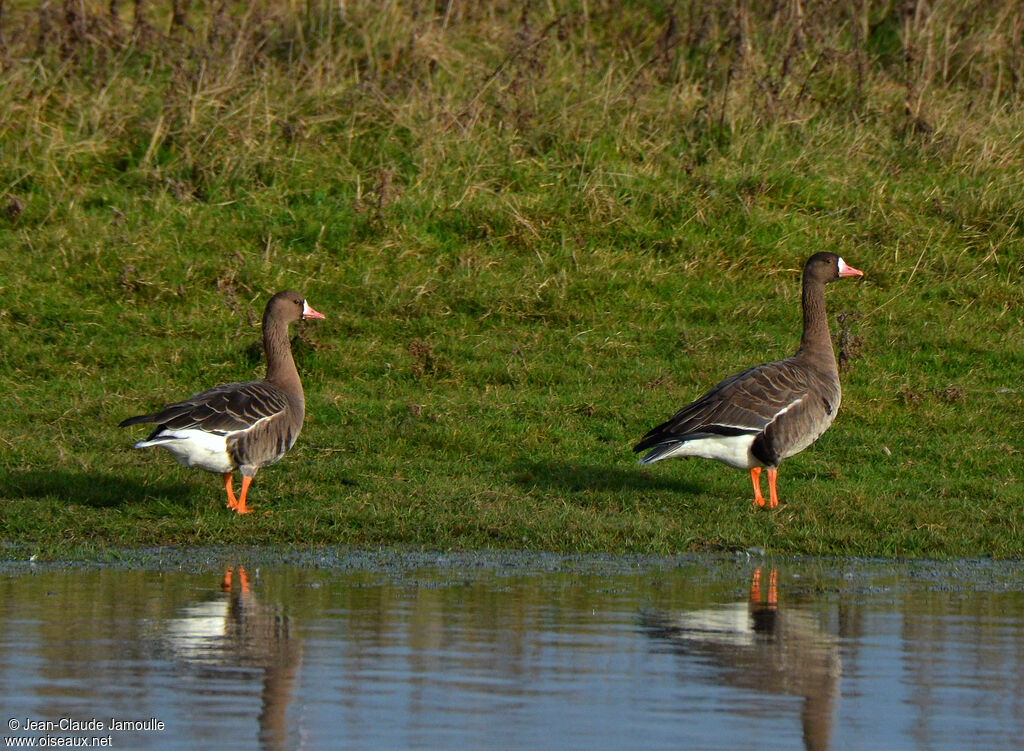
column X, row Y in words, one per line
column 220, row 410
column 745, row 403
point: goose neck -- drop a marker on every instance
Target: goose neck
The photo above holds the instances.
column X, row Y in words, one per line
column 816, row 339
column 281, row 369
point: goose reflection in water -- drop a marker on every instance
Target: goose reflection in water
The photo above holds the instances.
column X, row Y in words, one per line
column 756, row 645
column 235, row 631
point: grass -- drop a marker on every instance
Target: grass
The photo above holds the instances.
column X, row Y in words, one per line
column 535, row 234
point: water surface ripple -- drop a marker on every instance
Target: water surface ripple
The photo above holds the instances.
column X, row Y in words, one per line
column 515, row 652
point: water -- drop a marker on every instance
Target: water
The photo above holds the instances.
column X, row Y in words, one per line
column 516, row 652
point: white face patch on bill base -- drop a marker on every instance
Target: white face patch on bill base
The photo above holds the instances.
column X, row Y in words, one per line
column 846, row 270
column 308, row 312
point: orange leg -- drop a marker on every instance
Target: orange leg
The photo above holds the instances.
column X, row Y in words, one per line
column 773, row 588
column 241, row 508
column 773, row 497
column 228, row 485
column 243, row 581
column 755, row 477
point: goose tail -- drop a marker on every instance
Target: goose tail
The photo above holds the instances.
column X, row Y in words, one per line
column 136, row 420
column 660, row 448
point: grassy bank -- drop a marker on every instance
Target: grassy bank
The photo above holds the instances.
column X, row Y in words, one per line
column 535, row 234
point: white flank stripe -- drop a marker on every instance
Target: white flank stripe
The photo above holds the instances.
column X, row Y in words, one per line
column 784, row 410
column 262, row 419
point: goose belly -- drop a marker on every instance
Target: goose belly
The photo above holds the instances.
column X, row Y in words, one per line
column 733, row 450
column 262, row 444
column 802, row 442
column 194, row 448
column 798, row 437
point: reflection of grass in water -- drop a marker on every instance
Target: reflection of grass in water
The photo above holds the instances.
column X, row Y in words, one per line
column 535, row 236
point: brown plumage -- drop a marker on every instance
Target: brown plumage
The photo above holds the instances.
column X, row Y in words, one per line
column 240, row 426
column 757, row 418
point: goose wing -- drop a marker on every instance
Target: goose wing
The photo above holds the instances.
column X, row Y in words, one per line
column 220, row 410
column 743, row 404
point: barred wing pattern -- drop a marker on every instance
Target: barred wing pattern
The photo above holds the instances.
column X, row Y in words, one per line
column 221, row 410
column 784, row 406
column 251, row 418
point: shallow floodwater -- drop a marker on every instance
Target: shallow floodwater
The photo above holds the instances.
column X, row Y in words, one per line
column 359, row 651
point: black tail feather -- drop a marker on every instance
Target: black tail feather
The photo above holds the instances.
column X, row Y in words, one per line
column 660, row 437
column 136, row 420
column 658, row 449
column 650, row 441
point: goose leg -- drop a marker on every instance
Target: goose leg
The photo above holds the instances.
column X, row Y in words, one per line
column 773, row 497
column 228, row 486
column 241, row 508
column 243, row 581
column 755, row 477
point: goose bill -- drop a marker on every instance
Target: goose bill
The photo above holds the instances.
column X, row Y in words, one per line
column 308, row 312
column 846, row 269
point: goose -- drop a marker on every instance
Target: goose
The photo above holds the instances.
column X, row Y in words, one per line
column 758, row 646
column 240, row 426
column 237, row 632
column 769, row 412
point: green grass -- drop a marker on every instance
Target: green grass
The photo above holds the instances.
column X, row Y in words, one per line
column 535, row 235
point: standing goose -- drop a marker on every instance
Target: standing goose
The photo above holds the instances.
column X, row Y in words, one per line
column 241, row 426
column 759, row 417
